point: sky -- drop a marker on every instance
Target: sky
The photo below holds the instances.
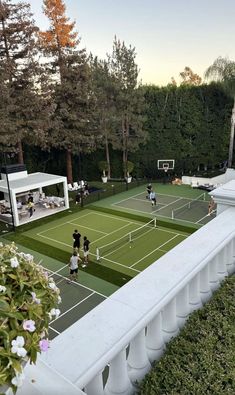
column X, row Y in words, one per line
column 168, row 35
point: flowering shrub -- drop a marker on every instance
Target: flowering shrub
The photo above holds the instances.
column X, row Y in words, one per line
column 28, row 301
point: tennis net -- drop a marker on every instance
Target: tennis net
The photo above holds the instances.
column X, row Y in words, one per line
column 187, row 206
column 113, row 246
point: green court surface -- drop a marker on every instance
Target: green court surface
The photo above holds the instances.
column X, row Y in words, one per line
column 127, row 242
column 177, row 203
column 111, row 234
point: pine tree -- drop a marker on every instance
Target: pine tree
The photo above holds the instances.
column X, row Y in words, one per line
column 18, row 70
column 72, row 121
column 130, row 101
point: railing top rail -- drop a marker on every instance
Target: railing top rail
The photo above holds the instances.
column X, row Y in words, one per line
column 110, row 326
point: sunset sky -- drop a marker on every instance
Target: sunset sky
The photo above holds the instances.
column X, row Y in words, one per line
column 167, row 34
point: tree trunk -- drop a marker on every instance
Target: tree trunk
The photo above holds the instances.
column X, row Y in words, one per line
column 69, row 166
column 107, row 155
column 124, row 147
column 230, row 155
column 20, row 155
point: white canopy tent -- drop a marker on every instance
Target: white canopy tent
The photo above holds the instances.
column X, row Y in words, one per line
column 20, row 184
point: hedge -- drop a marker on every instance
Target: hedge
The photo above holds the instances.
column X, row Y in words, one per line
column 201, row 359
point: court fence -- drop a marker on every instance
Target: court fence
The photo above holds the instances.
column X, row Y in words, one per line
column 100, row 194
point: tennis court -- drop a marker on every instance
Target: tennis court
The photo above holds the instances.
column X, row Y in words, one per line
column 125, row 246
column 189, row 209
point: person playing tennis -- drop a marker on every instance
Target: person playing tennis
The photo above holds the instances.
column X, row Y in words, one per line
column 152, row 198
column 86, row 250
column 76, row 240
column 73, row 266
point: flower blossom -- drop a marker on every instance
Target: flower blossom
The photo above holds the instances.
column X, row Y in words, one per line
column 14, row 262
column 59, row 300
column 18, row 379
column 29, row 325
column 27, row 257
column 44, row 344
column 2, row 288
column 54, row 312
column 35, row 299
column 17, row 347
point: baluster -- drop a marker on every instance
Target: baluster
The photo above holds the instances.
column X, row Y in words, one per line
column 182, row 306
column 118, row 382
column 221, row 265
column 154, row 339
column 195, row 301
column 138, row 362
column 95, row 387
column 205, row 288
column 230, row 256
column 170, row 325
column 213, row 276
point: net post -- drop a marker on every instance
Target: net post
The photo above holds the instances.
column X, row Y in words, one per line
column 172, row 214
column 155, row 222
column 204, row 196
column 97, row 254
column 130, row 238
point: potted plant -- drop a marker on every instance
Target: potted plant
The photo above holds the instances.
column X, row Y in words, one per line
column 103, row 166
column 28, row 301
column 128, row 168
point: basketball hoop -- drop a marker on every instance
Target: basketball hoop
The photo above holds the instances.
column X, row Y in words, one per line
column 165, row 167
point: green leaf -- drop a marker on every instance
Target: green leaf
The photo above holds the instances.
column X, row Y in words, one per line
column 4, row 306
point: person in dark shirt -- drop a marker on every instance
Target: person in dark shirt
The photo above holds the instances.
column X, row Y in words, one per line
column 86, row 250
column 76, row 240
column 148, row 189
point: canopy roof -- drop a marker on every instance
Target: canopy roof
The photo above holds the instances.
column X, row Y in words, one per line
column 30, row 182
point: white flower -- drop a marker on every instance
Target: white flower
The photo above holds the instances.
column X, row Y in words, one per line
column 14, row 262
column 2, row 288
column 35, row 299
column 59, row 300
column 3, row 269
column 52, row 286
column 17, row 347
column 27, row 257
column 54, row 312
column 18, row 379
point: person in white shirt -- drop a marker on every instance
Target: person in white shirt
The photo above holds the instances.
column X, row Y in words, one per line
column 152, row 198
column 73, row 266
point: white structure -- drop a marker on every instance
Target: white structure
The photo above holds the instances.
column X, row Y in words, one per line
column 214, row 181
column 130, row 329
column 20, row 184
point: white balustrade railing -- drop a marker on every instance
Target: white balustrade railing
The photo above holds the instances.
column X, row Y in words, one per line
column 130, row 329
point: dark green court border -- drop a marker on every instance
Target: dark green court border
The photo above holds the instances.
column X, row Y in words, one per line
column 136, row 217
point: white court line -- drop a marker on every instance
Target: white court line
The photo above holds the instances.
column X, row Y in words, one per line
column 86, row 227
column 145, row 201
column 130, row 197
column 58, row 333
column 120, row 264
column 76, row 283
column 58, row 226
column 169, row 204
column 154, row 250
column 56, row 241
column 71, row 308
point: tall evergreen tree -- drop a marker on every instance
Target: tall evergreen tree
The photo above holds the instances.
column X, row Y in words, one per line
column 130, row 101
column 72, row 129
column 17, row 69
column 105, row 91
